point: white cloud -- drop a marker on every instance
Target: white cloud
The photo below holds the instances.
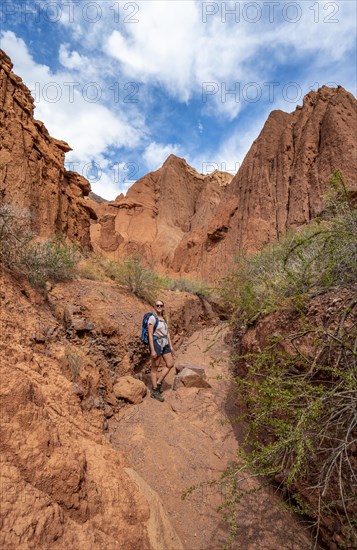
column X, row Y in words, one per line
column 158, row 48
column 170, row 46
column 65, row 103
column 71, row 60
column 155, row 154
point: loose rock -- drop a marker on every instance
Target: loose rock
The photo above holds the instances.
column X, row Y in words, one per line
column 190, row 378
column 130, row 389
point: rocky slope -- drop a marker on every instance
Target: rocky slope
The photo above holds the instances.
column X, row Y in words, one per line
column 62, row 483
column 158, row 211
column 32, row 173
column 61, row 353
column 308, row 343
column 281, row 182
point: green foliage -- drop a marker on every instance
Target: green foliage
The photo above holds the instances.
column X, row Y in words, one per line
column 51, row 260
column 144, row 282
column 301, row 419
column 318, row 257
column 41, row 261
column 199, row 288
column 141, row 281
column 91, row 268
column 165, row 282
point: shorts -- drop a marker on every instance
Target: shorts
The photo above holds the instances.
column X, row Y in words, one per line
column 161, row 351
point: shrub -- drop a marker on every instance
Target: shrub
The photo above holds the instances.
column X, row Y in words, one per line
column 141, row 281
column 14, row 235
column 40, row 261
column 199, row 288
column 318, row 257
column 301, row 423
column 90, row 268
column 51, row 260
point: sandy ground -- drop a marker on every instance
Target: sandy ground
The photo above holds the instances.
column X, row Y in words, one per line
column 190, row 439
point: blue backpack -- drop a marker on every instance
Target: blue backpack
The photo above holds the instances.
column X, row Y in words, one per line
column 144, row 328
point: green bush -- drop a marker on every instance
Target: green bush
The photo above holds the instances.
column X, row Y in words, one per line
column 41, row 261
column 141, row 281
column 51, row 260
column 199, row 288
column 14, row 235
column 303, row 263
column 301, row 424
column 89, row 267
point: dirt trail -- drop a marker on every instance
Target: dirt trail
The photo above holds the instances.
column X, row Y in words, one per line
column 189, row 439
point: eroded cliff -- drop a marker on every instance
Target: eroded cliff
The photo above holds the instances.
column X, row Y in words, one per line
column 32, row 172
column 158, row 211
column 281, row 183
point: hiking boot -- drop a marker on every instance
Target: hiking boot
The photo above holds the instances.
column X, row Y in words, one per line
column 155, row 393
column 159, row 387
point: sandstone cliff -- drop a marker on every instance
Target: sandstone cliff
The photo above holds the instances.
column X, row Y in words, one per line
column 281, row 182
column 184, row 223
column 32, row 173
column 159, row 210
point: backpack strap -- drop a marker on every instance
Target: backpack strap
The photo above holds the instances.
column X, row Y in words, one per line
column 156, row 322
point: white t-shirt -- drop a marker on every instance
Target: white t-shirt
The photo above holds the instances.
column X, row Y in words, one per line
column 161, row 329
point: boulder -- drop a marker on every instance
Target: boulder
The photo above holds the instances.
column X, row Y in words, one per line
column 131, row 389
column 187, row 365
column 190, row 378
column 108, row 411
column 79, row 324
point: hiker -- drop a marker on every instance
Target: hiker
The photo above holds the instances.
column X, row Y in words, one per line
column 160, row 346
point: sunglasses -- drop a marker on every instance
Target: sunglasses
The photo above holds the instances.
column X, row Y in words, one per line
column 159, row 305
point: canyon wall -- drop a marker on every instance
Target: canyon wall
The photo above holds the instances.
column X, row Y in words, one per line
column 32, row 172
column 158, row 211
column 185, row 224
column 281, row 183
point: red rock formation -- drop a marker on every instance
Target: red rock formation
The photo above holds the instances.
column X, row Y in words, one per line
column 158, row 211
column 185, row 223
column 32, row 173
column 62, row 483
column 280, row 184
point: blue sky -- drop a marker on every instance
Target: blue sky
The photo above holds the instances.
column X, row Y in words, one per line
column 127, row 83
